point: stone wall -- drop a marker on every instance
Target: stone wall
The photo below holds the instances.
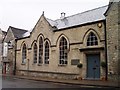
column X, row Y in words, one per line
column 10, row 58
column 1, row 49
column 54, row 75
column 119, row 41
column 112, row 40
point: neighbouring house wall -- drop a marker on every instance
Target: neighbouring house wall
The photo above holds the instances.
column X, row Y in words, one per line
column 119, row 40
column 2, row 35
column 9, row 59
column 113, row 40
column 1, row 38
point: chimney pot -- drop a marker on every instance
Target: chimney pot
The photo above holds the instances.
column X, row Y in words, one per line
column 62, row 15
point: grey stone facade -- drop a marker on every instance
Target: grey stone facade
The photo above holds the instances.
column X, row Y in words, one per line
column 9, row 59
column 2, row 35
column 119, row 40
column 113, row 31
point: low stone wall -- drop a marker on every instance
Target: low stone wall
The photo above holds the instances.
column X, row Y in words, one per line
column 43, row 74
column 114, row 77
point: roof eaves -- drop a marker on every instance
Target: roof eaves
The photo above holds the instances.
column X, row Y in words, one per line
column 84, row 24
column 22, row 38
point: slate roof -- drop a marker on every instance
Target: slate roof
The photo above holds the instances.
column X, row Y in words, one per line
column 3, row 32
column 80, row 18
column 18, row 33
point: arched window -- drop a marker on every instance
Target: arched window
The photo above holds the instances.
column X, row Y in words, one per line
column 92, row 40
column 46, row 52
column 24, row 53
column 35, row 53
column 40, row 50
column 63, row 51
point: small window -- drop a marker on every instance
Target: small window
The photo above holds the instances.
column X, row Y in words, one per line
column 24, row 51
column 40, row 50
column 63, row 51
column 46, row 53
column 92, row 40
column 35, row 53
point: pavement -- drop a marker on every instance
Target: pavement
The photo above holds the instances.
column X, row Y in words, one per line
column 100, row 83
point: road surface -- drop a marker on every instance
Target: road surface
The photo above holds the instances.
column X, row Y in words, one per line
column 12, row 82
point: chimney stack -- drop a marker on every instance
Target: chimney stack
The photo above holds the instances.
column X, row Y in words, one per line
column 62, row 15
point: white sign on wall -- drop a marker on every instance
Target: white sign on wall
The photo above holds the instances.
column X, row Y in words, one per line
column 0, row 49
column 5, row 49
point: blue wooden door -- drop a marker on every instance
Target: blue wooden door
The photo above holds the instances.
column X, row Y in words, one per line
column 93, row 66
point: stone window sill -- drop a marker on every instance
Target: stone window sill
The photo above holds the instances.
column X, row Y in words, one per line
column 34, row 63
column 46, row 64
column 40, row 64
column 23, row 63
column 62, row 65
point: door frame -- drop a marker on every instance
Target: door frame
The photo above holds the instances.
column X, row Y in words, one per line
column 4, row 68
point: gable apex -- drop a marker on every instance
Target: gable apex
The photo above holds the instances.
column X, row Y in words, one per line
column 40, row 20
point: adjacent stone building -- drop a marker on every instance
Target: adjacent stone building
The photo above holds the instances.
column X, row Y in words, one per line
column 113, row 39
column 9, row 47
column 2, row 35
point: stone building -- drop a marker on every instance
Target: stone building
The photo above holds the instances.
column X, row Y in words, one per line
column 84, row 45
column 2, row 35
column 113, row 39
column 9, row 47
column 56, row 47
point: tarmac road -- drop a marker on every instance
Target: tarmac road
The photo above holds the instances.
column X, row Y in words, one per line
column 10, row 83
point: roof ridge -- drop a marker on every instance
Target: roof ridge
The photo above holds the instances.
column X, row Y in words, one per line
column 83, row 12
column 4, row 31
column 17, row 28
column 50, row 19
column 17, row 32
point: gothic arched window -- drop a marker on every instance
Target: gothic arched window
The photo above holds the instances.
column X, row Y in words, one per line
column 24, row 53
column 46, row 52
column 35, row 53
column 63, row 54
column 92, row 40
column 40, row 50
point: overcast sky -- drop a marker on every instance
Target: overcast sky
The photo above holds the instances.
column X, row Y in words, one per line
column 25, row 13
